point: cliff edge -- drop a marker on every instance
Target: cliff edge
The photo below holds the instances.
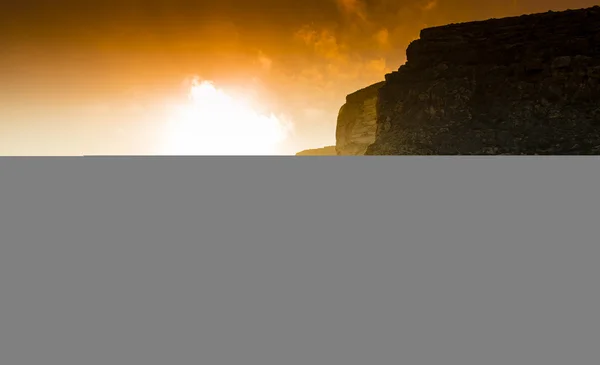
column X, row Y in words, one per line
column 357, row 121
column 519, row 85
column 324, row 151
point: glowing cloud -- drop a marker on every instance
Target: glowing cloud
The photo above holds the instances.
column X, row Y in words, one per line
column 355, row 7
column 383, row 37
column 265, row 62
column 430, row 5
column 214, row 123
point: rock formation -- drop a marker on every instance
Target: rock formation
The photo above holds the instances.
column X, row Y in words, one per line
column 519, row 85
column 357, row 121
column 325, row 151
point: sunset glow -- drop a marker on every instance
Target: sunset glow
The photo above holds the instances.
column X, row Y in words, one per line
column 105, row 77
column 215, row 123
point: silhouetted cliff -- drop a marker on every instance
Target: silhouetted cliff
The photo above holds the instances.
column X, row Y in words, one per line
column 519, row 85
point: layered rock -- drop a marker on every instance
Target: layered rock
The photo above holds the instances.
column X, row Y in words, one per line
column 357, row 121
column 520, row 85
column 325, row 151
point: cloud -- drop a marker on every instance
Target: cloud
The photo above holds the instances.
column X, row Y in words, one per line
column 306, row 34
column 430, row 5
column 378, row 66
column 323, row 41
column 353, row 7
column 382, row 37
column 327, row 45
column 336, row 61
column 264, row 61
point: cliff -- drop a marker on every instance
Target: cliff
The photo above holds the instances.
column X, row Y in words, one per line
column 357, row 121
column 519, row 85
column 325, row 151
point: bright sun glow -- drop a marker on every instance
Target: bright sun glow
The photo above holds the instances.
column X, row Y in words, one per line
column 214, row 123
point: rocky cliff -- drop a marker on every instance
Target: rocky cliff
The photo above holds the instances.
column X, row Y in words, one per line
column 325, row 151
column 519, row 85
column 357, row 121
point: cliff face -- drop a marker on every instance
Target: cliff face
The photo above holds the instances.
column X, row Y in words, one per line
column 325, row 151
column 357, row 121
column 521, row 85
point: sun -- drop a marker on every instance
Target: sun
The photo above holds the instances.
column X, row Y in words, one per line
column 214, row 123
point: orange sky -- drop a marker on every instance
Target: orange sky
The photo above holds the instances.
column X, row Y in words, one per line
column 94, row 77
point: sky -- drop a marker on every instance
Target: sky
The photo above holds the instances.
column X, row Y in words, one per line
column 101, row 77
